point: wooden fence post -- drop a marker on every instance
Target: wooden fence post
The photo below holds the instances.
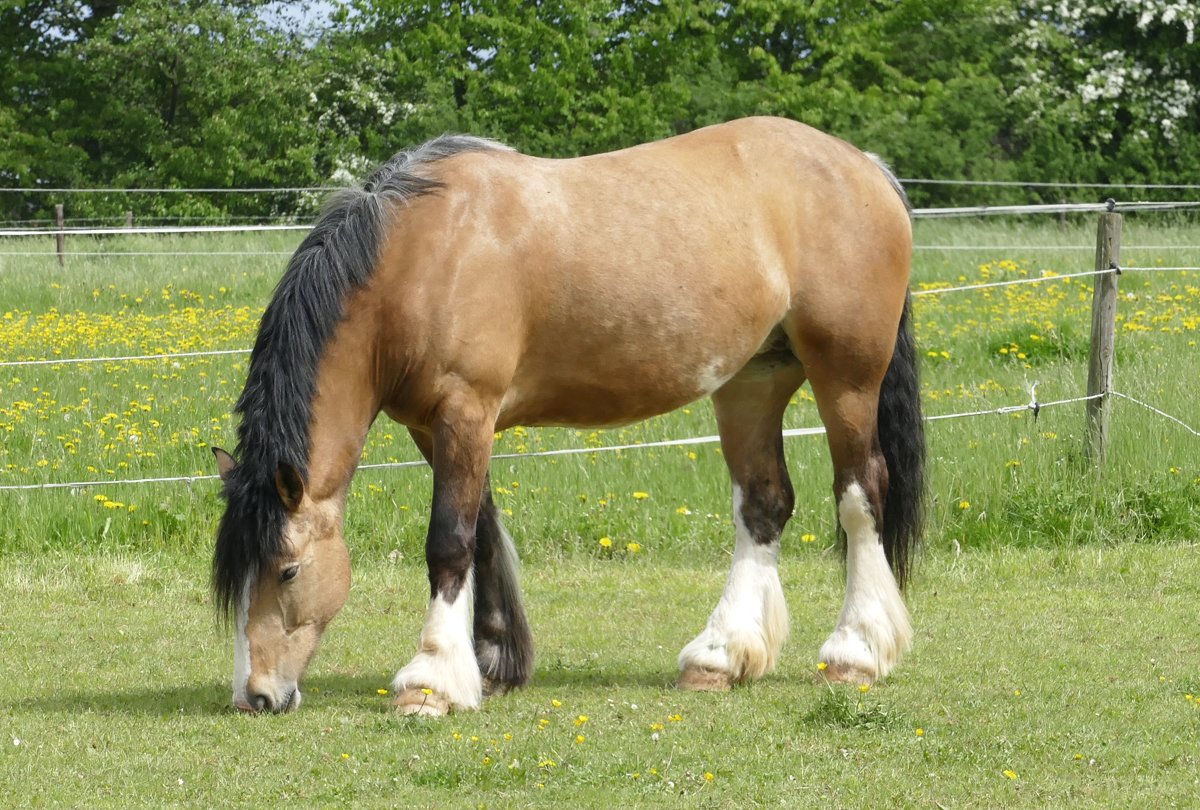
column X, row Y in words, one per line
column 1104, row 332
column 60, row 238
column 128, row 219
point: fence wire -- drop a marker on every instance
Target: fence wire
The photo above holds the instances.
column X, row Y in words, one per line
column 1033, row 406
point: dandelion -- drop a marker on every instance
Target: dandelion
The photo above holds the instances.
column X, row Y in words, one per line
column 708, row 777
column 656, row 727
column 606, row 542
column 555, row 703
column 920, row 732
column 641, row 495
column 634, row 548
column 427, row 691
column 964, row 504
column 381, row 691
column 1010, row 774
column 863, row 688
column 581, row 719
column 579, row 738
column 683, row 510
column 807, row 538
column 822, row 666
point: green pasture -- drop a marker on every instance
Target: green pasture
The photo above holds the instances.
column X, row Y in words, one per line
column 1042, row 575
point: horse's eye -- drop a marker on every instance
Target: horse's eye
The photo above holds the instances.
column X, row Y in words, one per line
column 289, row 573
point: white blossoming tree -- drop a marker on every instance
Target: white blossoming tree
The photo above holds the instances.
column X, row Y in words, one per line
column 1105, row 88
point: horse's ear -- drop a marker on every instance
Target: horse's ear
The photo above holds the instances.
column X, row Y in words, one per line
column 290, row 486
column 225, row 463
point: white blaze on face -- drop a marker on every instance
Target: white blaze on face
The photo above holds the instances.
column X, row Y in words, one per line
column 241, row 646
column 748, row 627
column 873, row 627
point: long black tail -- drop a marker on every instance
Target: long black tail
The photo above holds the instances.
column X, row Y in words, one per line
column 902, row 440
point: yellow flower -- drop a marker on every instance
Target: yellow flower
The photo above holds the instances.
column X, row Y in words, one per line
column 683, row 510
column 381, row 691
column 579, row 738
column 822, row 666
column 656, row 727
column 920, row 732
column 1010, row 774
column 487, row 760
column 427, row 691
column 581, row 719
column 634, row 548
column 863, row 688
column 556, row 703
column 605, row 542
column 708, row 777
column 641, row 495
column 807, row 538
column 964, row 504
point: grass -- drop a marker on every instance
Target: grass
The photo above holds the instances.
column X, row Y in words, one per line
column 1069, row 668
column 1042, row 575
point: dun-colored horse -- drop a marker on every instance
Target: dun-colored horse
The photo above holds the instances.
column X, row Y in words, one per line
column 467, row 288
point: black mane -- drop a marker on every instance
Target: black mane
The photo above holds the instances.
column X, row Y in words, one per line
column 337, row 257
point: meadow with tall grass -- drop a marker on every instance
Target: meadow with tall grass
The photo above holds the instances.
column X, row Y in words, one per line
column 1056, row 650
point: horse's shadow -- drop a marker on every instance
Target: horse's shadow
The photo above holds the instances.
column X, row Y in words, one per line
column 195, row 699
column 212, row 699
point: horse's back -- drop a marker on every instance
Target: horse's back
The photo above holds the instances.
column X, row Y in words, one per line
column 641, row 279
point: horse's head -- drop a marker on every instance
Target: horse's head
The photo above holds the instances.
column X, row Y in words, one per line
column 283, row 603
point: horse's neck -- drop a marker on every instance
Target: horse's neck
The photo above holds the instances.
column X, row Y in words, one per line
column 343, row 409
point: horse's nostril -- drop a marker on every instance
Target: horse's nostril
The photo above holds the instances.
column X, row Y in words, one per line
column 260, row 701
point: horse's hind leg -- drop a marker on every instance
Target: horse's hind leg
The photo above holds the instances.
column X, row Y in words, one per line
column 873, row 627
column 748, row 627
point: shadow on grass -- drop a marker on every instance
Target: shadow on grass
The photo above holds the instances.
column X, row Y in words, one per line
column 564, row 677
column 196, row 699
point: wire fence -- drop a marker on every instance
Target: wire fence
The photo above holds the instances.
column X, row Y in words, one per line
column 928, row 289
column 1033, row 405
column 917, row 213
column 297, row 189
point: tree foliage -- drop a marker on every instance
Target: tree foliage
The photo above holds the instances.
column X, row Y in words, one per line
column 206, row 93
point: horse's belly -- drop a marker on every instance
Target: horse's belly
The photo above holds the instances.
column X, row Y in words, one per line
column 615, row 388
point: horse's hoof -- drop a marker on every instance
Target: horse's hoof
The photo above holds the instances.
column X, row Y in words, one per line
column 695, row 679
column 421, row 701
column 847, row 673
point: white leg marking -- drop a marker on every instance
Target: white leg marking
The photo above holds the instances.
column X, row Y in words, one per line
column 748, row 627
column 445, row 661
column 241, row 647
column 873, row 628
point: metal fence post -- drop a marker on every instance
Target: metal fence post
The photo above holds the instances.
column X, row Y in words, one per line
column 1104, row 331
column 60, row 238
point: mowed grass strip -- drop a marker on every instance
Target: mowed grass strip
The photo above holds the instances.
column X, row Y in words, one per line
column 1037, row 676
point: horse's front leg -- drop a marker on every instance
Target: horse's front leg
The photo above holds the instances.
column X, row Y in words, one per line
column 444, row 673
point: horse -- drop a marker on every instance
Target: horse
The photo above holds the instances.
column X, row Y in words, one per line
column 466, row 288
